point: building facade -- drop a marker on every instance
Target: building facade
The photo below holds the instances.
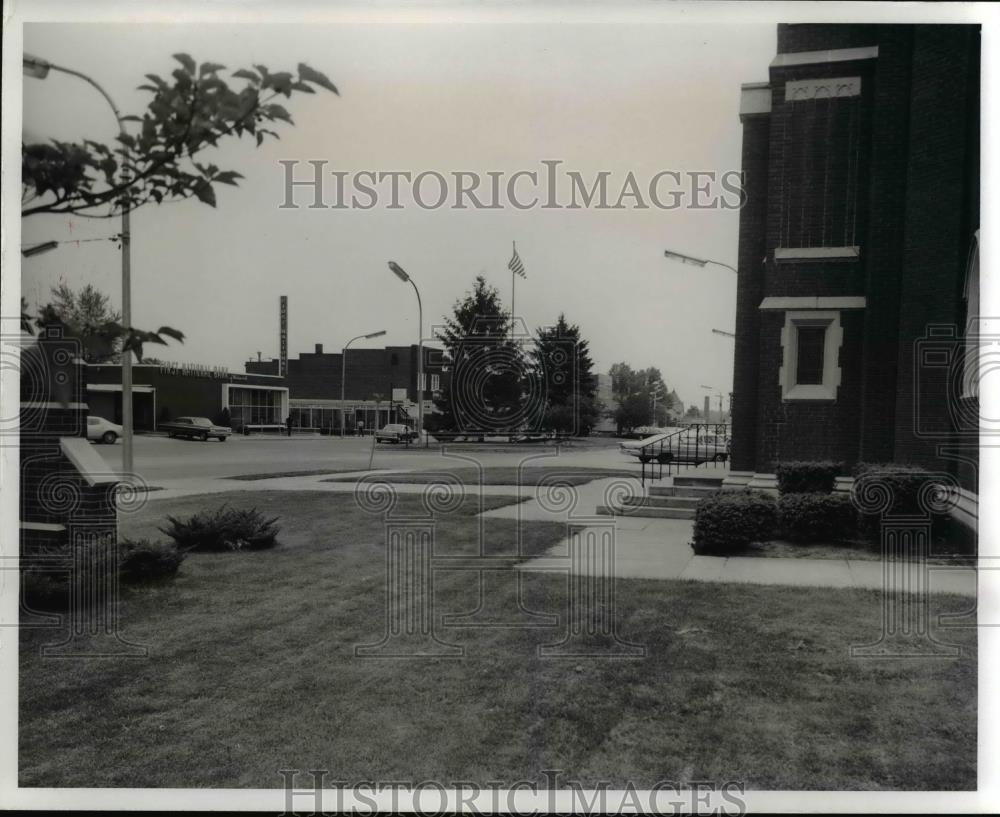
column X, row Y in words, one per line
column 857, row 299
column 380, row 387
column 163, row 391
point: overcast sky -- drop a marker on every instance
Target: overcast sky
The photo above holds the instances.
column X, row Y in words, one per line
column 445, row 97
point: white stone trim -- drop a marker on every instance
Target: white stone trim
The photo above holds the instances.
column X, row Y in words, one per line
column 782, row 303
column 847, row 253
column 833, row 339
column 44, row 527
column 815, row 57
column 755, row 98
column 806, row 90
column 87, row 461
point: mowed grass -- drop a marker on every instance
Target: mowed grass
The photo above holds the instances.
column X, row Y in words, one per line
column 252, row 669
column 499, row 475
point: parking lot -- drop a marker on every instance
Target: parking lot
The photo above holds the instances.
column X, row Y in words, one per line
column 159, row 459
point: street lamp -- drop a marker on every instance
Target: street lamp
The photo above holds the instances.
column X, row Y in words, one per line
column 697, row 262
column 39, row 69
column 402, row 275
column 38, row 249
column 343, row 371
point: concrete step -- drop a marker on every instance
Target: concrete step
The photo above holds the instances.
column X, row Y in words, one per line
column 681, row 490
column 698, row 481
column 658, row 513
column 661, row 501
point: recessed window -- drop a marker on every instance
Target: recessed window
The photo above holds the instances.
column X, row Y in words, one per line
column 810, row 369
column 809, row 366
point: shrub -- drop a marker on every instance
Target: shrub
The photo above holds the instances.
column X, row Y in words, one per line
column 902, row 484
column 728, row 521
column 817, row 518
column 807, row 477
column 224, row 528
column 144, row 561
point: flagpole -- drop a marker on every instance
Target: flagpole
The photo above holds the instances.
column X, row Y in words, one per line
column 513, row 282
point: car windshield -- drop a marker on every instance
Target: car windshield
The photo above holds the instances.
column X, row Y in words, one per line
column 92, row 421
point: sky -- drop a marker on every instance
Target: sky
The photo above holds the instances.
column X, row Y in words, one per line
column 636, row 97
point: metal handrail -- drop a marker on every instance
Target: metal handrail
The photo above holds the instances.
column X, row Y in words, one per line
column 683, row 448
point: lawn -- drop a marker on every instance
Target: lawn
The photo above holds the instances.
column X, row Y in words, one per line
column 499, row 475
column 252, row 670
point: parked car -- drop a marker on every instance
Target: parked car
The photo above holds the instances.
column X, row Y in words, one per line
column 644, row 448
column 395, row 433
column 195, row 428
column 101, row 430
column 679, row 445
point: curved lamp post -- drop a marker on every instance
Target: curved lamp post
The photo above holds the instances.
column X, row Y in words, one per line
column 696, row 262
column 39, row 69
column 343, row 372
column 402, row 275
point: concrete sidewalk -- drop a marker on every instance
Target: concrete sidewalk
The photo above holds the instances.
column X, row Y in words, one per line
column 645, row 548
column 660, row 549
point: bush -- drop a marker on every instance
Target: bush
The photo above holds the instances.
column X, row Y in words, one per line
column 728, row 521
column 817, row 518
column 139, row 561
column 144, row 561
column 903, row 485
column 223, row 529
column 808, row 477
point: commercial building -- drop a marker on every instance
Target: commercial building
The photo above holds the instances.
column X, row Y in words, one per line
column 857, row 300
column 163, row 391
column 380, row 387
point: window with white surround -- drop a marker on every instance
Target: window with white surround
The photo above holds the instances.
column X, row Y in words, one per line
column 435, row 382
column 810, row 369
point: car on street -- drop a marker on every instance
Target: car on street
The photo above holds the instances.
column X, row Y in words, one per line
column 395, row 433
column 195, row 428
column 101, row 430
column 679, row 445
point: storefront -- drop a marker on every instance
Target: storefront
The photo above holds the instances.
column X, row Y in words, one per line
column 161, row 392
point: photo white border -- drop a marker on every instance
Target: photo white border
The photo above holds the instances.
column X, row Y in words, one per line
column 736, row 13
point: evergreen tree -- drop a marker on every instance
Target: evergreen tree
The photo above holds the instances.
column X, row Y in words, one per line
column 485, row 387
column 562, row 362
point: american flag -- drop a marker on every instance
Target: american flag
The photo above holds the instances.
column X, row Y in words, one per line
column 515, row 265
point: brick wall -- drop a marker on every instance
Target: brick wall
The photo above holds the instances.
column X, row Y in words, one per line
column 52, row 491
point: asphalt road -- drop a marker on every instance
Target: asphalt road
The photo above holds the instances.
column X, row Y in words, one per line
column 161, row 458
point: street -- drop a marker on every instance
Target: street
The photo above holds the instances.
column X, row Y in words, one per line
column 158, row 458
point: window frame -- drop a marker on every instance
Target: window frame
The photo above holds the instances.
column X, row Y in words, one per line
column 825, row 391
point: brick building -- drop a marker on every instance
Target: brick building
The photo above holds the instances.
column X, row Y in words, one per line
column 857, row 299
column 380, row 385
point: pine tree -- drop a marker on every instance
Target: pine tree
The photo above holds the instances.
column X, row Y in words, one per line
column 562, row 362
column 485, row 387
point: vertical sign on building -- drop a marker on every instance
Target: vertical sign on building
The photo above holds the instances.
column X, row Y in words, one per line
column 283, row 354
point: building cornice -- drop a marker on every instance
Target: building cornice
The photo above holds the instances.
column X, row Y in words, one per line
column 821, row 57
column 783, row 303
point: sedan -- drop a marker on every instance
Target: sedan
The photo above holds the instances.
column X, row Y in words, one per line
column 195, row 428
column 99, row 429
column 679, row 445
column 395, row 433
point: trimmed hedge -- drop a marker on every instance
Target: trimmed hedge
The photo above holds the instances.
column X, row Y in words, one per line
column 224, row 528
column 902, row 484
column 728, row 521
column 808, row 477
column 817, row 518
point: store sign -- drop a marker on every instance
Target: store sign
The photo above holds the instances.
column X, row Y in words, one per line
column 195, row 370
column 283, row 369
